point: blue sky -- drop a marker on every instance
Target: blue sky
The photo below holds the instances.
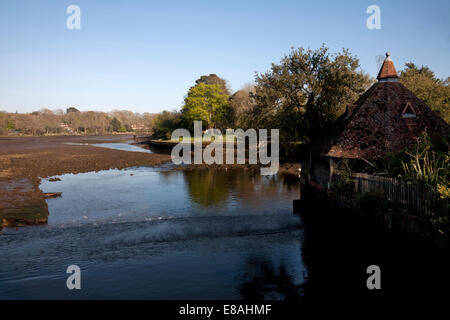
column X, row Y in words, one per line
column 144, row 55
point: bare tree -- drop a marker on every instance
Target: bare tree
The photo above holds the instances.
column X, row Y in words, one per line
column 242, row 103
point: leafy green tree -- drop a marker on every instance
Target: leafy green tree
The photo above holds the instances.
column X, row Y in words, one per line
column 207, row 103
column 164, row 123
column 115, row 124
column 431, row 90
column 305, row 93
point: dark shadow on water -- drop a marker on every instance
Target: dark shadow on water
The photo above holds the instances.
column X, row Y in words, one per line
column 338, row 248
column 267, row 282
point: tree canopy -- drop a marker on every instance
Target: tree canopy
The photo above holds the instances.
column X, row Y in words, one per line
column 214, row 79
column 305, row 93
column 241, row 103
column 165, row 123
column 115, row 124
column 207, row 103
column 427, row 87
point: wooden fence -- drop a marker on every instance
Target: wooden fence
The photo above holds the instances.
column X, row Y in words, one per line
column 417, row 197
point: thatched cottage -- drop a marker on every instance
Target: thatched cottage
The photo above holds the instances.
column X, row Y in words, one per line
column 386, row 118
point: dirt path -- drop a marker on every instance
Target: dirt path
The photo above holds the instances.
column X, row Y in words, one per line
column 23, row 161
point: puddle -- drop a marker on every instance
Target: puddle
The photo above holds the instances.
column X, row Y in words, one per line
column 115, row 146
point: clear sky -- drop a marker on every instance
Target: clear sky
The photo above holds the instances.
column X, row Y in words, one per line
column 144, row 55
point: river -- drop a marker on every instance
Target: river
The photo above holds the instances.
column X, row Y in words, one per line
column 159, row 233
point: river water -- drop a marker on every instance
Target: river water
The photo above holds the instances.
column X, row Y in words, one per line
column 159, row 233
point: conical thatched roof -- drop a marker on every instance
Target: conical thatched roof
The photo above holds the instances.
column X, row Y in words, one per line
column 386, row 118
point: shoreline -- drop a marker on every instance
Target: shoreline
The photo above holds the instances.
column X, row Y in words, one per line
column 25, row 160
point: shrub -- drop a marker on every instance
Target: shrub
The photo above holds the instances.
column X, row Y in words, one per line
column 425, row 165
column 344, row 185
column 165, row 123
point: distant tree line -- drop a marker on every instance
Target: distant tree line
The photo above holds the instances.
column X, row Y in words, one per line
column 73, row 121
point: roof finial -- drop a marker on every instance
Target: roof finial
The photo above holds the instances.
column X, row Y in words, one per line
column 388, row 56
column 387, row 70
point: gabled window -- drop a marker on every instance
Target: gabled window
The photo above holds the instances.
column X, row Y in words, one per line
column 408, row 111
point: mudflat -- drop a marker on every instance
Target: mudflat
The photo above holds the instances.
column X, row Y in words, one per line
column 25, row 160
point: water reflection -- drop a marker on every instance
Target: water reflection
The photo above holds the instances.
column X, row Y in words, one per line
column 210, row 187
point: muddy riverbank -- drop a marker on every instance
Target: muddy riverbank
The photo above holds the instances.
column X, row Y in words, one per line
column 25, row 160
